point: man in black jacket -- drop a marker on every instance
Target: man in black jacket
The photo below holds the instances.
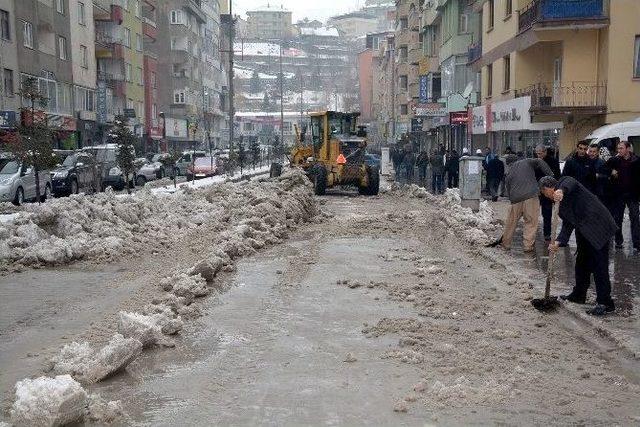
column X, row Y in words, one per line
column 495, row 175
column 594, row 225
column 546, row 206
column 625, row 177
column 580, row 167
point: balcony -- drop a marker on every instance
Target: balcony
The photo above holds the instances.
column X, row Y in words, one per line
column 110, row 77
column 559, row 13
column 475, row 52
column 108, row 10
column 566, row 98
column 149, row 29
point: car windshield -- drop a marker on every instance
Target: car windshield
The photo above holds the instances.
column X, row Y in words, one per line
column 205, row 161
column 10, row 168
column 70, row 160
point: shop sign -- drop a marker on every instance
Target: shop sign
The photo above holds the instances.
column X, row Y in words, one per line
column 430, row 110
column 512, row 115
column 7, row 119
column 424, row 89
column 176, row 128
column 61, row 122
column 459, row 118
column 101, row 102
column 416, row 124
column 479, row 120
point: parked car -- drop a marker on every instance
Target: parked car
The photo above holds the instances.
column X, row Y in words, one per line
column 18, row 183
column 163, row 164
column 186, row 161
column 111, row 174
column 204, row 167
column 78, row 172
column 149, row 171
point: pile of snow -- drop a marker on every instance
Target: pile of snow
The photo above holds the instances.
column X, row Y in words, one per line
column 100, row 411
column 105, row 226
column 84, row 364
column 473, row 227
column 48, row 401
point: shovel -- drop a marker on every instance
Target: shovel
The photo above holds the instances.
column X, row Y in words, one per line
column 549, row 303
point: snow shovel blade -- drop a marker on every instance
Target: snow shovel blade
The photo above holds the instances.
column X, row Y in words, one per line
column 545, row 304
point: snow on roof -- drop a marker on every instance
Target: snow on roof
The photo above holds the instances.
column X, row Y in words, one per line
column 247, row 73
column 266, row 49
column 268, row 8
column 321, row 32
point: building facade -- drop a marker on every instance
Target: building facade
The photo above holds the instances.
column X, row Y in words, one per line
column 269, row 23
column 9, row 101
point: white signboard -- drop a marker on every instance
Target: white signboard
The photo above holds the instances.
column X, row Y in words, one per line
column 479, row 120
column 430, row 110
column 176, row 128
column 511, row 115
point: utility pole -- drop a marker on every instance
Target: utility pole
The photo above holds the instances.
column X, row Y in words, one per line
column 281, row 98
column 232, row 112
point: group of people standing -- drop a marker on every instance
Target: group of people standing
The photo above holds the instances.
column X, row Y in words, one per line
column 443, row 164
column 593, row 192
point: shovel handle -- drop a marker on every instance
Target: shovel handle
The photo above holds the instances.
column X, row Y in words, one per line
column 552, row 254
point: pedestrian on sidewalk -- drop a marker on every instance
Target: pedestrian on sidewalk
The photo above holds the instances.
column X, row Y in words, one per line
column 422, row 162
column 546, row 206
column 625, row 173
column 452, row 168
column 409, row 164
column 495, row 174
column 436, row 161
column 522, row 190
column 602, row 187
column 581, row 167
column 580, row 209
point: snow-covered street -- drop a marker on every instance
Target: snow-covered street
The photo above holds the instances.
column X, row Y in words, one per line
column 339, row 310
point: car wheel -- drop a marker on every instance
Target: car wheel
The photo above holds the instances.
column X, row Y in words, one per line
column 18, row 200
column 47, row 193
column 141, row 181
column 74, row 186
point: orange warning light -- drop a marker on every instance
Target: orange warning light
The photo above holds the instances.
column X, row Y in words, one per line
column 341, row 160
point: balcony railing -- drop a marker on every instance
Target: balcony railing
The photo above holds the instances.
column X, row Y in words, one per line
column 568, row 96
column 559, row 10
column 475, row 52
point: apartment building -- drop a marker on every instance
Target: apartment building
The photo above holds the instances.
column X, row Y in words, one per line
column 44, row 52
column 9, row 101
column 269, row 23
column 408, row 52
column 153, row 130
column 214, row 76
column 552, row 71
column 120, row 61
column 354, row 25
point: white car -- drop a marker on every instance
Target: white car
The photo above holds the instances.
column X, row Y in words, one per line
column 149, row 171
column 18, row 183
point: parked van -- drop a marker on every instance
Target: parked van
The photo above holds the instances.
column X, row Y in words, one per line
column 18, row 183
column 608, row 136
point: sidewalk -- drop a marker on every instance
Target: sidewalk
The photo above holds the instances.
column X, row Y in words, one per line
column 623, row 326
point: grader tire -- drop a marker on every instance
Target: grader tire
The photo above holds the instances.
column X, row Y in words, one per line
column 320, row 180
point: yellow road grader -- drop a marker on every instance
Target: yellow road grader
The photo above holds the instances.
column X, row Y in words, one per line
column 335, row 154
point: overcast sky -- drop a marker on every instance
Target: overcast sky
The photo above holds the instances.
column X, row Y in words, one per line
column 313, row 9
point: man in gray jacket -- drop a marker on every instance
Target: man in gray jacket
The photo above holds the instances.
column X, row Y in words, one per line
column 521, row 187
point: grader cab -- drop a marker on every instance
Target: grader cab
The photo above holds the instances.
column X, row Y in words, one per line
column 335, row 154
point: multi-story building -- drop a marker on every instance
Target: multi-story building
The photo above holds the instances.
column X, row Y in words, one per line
column 354, row 25
column 83, row 67
column 214, row 76
column 120, row 61
column 179, row 48
column 9, row 101
column 153, row 130
column 269, row 23
column 408, row 51
column 552, row 70
column 44, row 52
column 372, row 85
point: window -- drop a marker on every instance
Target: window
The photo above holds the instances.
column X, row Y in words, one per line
column 403, row 54
column 491, row 5
column 5, row 27
column 247, row 127
column 60, row 6
column 125, row 4
column 507, row 73
column 174, row 42
column 81, row 13
column 177, row 17
column 127, row 72
column 127, row 37
column 140, row 77
column 489, row 80
column 62, row 48
column 85, row 99
column 463, row 24
column 154, row 111
column 139, row 42
column 84, row 59
column 178, row 97
column 8, row 82
column 636, row 62
column 404, row 109
column 137, row 8
column 404, row 23
column 28, row 34
column 508, row 8
column 154, row 80
column 403, row 82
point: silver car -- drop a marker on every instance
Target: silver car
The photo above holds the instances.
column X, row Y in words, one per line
column 18, row 183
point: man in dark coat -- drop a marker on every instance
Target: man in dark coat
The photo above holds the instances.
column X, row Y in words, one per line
column 495, row 174
column 452, row 166
column 580, row 167
column 625, row 173
column 542, row 152
column 595, row 227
